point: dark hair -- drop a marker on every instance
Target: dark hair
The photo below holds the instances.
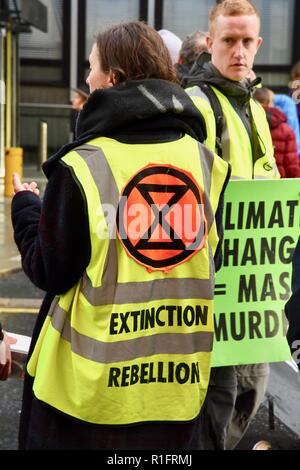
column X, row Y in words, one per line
column 191, row 47
column 295, row 73
column 134, row 51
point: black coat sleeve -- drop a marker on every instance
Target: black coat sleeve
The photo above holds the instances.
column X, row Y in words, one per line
column 292, row 311
column 53, row 236
column 296, row 268
column 292, row 308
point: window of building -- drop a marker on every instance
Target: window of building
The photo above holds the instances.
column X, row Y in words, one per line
column 277, row 31
column 45, row 46
column 45, row 57
column 183, row 18
column 103, row 13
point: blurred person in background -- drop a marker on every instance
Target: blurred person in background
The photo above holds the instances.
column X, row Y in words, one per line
column 172, row 42
column 79, row 98
column 193, row 45
column 288, row 106
column 295, row 87
column 283, row 137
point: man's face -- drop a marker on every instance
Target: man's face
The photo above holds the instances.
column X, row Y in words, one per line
column 233, row 44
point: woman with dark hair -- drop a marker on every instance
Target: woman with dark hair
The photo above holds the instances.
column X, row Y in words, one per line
column 124, row 244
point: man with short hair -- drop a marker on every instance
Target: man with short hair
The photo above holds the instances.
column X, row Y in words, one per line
column 193, row 45
column 242, row 137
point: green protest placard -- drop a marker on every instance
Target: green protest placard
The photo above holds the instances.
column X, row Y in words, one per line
column 261, row 223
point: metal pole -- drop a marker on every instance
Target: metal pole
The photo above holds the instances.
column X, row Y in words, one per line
column 14, row 99
column 8, row 87
column 2, row 100
column 74, row 46
column 151, row 13
column 43, row 151
column 18, row 77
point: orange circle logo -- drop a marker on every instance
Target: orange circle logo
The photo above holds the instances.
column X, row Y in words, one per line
column 160, row 219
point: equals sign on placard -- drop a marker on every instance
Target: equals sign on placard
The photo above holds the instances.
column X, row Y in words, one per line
column 220, row 289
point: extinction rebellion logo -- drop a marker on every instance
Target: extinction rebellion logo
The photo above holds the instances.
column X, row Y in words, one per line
column 160, row 218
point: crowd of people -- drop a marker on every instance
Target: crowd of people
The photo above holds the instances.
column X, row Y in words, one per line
column 165, row 121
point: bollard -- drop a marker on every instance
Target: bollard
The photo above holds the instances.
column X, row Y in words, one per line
column 13, row 164
column 43, row 151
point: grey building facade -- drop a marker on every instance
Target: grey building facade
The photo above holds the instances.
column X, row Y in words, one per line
column 54, row 62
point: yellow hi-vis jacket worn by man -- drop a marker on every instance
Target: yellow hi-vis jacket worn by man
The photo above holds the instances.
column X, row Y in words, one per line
column 245, row 140
column 129, row 341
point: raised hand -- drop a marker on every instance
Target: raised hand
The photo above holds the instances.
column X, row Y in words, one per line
column 19, row 186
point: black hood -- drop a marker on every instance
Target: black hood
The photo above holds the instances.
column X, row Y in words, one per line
column 139, row 108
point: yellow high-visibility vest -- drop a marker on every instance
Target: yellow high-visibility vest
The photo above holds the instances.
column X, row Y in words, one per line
column 131, row 341
column 236, row 144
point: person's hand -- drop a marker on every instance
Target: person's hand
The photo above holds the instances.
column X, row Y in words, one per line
column 19, row 186
column 5, row 356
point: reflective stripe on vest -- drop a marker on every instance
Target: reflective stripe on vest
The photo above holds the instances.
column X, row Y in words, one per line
column 98, row 351
column 123, row 333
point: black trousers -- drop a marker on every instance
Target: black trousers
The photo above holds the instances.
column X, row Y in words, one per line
column 50, row 430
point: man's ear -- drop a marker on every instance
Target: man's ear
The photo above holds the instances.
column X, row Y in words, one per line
column 259, row 43
column 209, row 43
